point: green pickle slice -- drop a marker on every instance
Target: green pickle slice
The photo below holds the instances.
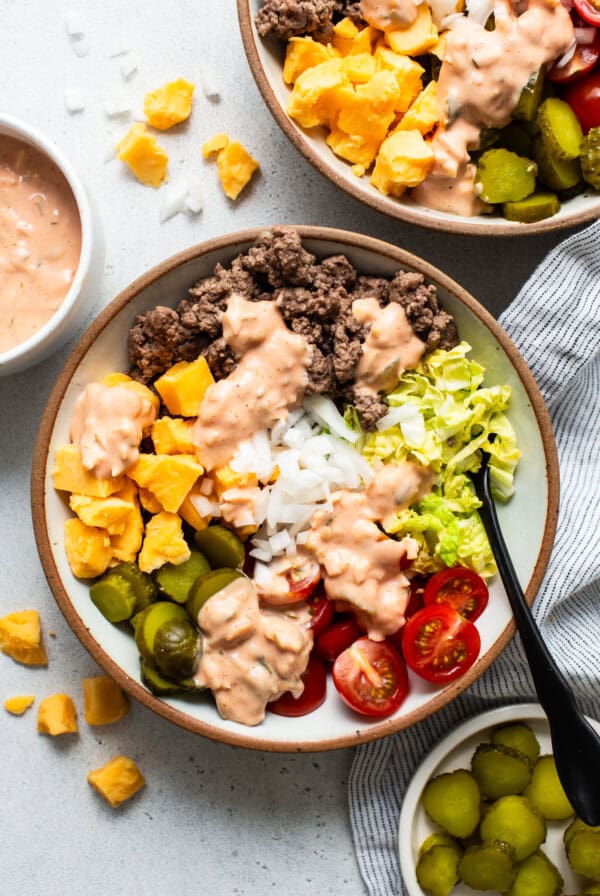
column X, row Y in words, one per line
column 503, row 176
column 583, row 853
column 545, row 792
column 531, row 97
column 176, row 645
column 591, row 890
column 488, row 866
column 518, row 736
column 574, row 828
column 554, row 172
column 514, row 820
column 438, row 838
column 590, row 158
column 175, row 581
column 437, row 869
column 114, row 597
column 453, row 801
column 204, row 588
column 560, row 128
column 142, row 584
column 533, row 208
column 537, row 876
column 500, row 770
column 150, row 621
column 155, row 682
column 221, row 547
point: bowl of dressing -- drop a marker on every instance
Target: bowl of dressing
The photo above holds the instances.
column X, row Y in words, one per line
column 51, row 247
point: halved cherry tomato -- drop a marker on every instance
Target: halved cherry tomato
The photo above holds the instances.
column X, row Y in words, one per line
column 589, row 11
column 584, row 99
column 314, row 693
column 459, row 588
column 321, row 612
column 337, row 638
column 303, row 578
column 439, row 644
column 299, row 574
column 583, row 60
column 371, row 677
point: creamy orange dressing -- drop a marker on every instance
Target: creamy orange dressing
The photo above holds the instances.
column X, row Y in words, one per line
column 276, row 590
column 250, row 656
column 391, row 346
column 362, row 565
column 267, row 383
column 481, row 79
column 108, row 425
column 40, row 240
column 238, row 505
column 384, row 14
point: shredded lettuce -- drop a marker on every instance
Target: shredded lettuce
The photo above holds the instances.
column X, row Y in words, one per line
column 440, row 415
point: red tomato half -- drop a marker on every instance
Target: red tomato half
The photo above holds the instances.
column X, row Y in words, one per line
column 439, row 645
column 584, row 59
column 371, row 677
column 315, row 690
column 459, row 588
column 303, row 578
column 337, row 638
column 589, row 11
column 321, row 612
column 584, row 99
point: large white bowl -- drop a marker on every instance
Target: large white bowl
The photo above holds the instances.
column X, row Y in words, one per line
column 72, row 311
column 455, row 751
column 528, row 520
column 266, row 56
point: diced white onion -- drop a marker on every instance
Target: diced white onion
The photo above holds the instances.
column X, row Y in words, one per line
column 173, row 201
column 73, row 99
column 129, row 65
column 479, row 10
column 452, row 20
column 75, row 23
column 116, row 102
column 585, row 36
column 81, row 46
column 206, row 486
column 209, row 83
column 204, row 506
column 566, row 58
column 324, row 410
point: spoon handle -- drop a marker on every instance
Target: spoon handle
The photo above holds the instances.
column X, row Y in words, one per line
column 576, row 745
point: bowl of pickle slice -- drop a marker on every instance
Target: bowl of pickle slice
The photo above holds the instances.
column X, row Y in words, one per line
column 486, row 812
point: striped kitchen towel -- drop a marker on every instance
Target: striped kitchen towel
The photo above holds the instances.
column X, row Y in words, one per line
column 555, row 322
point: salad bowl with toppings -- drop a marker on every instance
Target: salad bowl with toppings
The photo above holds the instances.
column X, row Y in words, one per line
column 471, row 117
column 253, row 472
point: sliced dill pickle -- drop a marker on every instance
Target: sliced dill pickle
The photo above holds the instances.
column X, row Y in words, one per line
column 175, row 581
column 558, row 174
column 503, row 176
column 453, row 800
column 155, row 682
column 142, row 584
column 176, row 644
column 221, row 547
column 205, row 586
column 514, row 820
column 150, row 621
column 516, row 138
column 560, row 128
column 114, row 597
column 590, row 158
column 520, row 737
column 438, row 838
column 545, row 792
column 575, row 827
column 437, row 869
column 500, row 770
column 537, row 876
column 591, row 890
column 533, row 208
column 487, row 137
column 583, row 853
column 489, row 866
column 531, row 97
column 577, row 190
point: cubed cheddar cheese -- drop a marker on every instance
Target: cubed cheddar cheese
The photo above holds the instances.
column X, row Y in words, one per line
column 416, row 38
column 88, row 549
column 370, row 110
column 16, row 706
column 117, row 781
column 69, row 475
column 104, row 701
column 172, row 435
column 235, row 167
column 344, row 33
column 169, row 105
column 360, row 67
column 303, row 53
column 125, row 546
column 407, row 72
column 363, row 41
column 163, row 542
column 121, row 379
column 183, row 386
column 215, row 145
column 168, row 476
column 361, row 151
column 140, row 150
column 225, row 478
column 56, row 715
column 190, row 514
column 403, row 161
column 316, row 96
column 104, row 513
column 423, row 115
column 21, row 638
column 149, row 501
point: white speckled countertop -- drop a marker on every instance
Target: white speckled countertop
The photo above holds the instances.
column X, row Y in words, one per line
column 212, row 819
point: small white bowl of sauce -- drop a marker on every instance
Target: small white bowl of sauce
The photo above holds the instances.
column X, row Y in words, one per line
column 51, row 247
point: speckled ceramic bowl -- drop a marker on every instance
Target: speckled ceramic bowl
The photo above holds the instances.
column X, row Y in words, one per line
column 528, row 520
column 266, row 58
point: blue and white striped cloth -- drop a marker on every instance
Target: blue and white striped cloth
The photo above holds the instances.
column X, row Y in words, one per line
column 555, row 322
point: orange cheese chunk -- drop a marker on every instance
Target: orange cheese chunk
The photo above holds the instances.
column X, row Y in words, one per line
column 16, row 706
column 69, row 475
column 88, row 549
column 21, row 638
column 168, row 476
column 56, row 715
column 236, row 167
column 215, row 145
column 105, row 702
column 172, row 435
column 140, row 150
column 117, row 781
column 183, row 387
column 169, row 105
column 163, row 542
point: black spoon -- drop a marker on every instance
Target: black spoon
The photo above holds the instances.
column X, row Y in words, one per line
column 575, row 744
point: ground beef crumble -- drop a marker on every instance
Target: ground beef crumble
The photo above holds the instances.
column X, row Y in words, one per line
column 315, row 300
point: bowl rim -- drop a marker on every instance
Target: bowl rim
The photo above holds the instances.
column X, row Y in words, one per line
column 388, row 205
column 354, row 241
column 20, row 130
